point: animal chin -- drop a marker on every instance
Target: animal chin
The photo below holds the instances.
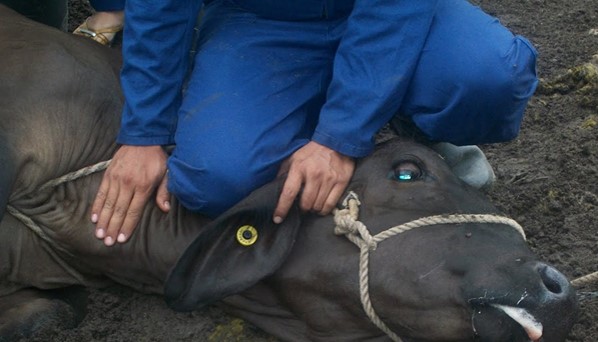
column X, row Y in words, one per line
column 494, row 322
column 528, row 322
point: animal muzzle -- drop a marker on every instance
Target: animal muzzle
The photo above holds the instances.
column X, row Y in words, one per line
column 545, row 310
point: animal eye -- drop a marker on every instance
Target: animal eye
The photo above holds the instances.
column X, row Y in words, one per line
column 406, row 171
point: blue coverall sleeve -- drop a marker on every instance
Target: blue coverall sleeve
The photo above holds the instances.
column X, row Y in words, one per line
column 156, row 47
column 373, row 66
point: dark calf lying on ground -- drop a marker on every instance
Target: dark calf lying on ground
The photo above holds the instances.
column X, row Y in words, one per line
column 59, row 111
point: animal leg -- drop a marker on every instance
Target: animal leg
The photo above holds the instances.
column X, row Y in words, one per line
column 259, row 306
column 30, row 312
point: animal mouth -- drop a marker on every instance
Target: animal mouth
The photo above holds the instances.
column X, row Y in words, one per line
column 528, row 322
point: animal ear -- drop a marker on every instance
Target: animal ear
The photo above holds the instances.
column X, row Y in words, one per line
column 233, row 252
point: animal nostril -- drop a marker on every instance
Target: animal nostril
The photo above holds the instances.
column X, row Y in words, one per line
column 554, row 280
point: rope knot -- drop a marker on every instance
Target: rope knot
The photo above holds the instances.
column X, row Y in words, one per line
column 346, row 223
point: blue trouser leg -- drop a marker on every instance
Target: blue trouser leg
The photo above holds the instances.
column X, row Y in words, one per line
column 473, row 77
column 257, row 85
column 251, row 101
column 107, row 5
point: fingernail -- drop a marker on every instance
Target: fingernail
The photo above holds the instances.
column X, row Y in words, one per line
column 94, row 218
column 108, row 241
column 121, row 238
column 167, row 204
column 100, row 233
column 277, row 219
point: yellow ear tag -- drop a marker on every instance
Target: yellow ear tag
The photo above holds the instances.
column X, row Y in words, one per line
column 246, row 235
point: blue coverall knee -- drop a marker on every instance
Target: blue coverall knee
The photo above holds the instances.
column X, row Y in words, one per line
column 473, row 81
column 258, row 86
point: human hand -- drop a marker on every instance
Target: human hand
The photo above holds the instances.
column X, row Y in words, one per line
column 324, row 174
column 132, row 176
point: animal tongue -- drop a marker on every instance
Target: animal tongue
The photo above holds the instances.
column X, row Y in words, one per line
column 532, row 327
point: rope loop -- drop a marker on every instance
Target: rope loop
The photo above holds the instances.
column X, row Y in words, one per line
column 346, row 224
column 355, row 230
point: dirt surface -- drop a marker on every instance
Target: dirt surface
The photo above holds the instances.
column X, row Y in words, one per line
column 546, row 181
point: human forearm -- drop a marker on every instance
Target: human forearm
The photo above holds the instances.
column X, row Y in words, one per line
column 156, row 46
column 372, row 70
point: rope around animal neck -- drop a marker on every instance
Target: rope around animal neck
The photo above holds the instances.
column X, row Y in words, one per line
column 71, row 176
column 37, row 230
column 348, row 225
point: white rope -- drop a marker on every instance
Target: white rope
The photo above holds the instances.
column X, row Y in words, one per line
column 348, row 225
column 37, row 230
column 28, row 222
column 85, row 171
column 585, row 280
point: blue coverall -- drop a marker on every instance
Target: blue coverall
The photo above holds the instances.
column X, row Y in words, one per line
column 270, row 75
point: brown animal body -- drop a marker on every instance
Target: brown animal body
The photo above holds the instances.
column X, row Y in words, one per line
column 59, row 111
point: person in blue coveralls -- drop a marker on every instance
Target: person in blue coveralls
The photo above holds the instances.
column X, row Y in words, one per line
column 297, row 88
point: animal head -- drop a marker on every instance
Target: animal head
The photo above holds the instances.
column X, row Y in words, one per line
column 433, row 282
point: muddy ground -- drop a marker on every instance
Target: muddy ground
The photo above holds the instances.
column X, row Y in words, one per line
column 547, row 180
